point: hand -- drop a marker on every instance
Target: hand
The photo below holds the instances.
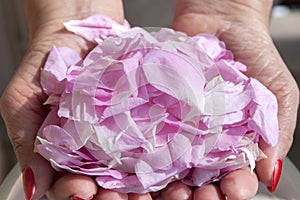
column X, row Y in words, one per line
column 22, row 102
column 243, row 26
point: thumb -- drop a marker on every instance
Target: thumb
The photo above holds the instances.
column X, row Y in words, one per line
column 37, row 175
column 269, row 169
column 23, row 116
column 189, row 23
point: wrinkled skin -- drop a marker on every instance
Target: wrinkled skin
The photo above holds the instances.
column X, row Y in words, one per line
column 243, row 28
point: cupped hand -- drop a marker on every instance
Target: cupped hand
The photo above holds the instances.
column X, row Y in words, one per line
column 244, row 30
column 22, row 109
column 243, row 26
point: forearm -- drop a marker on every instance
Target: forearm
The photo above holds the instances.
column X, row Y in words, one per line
column 47, row 14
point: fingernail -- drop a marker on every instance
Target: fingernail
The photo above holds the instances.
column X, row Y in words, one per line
column 75, row 197
column 28, row 183
column 276, row 176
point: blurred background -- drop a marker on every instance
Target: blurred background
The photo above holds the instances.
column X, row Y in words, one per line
column 285, row 30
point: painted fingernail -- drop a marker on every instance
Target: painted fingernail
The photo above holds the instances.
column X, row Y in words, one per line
column 276, row 176
column 75, row 197
column 28, row 183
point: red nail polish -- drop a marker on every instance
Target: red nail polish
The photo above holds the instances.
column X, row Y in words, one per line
column 28, row 183
column 276, row 175
column 74, row 197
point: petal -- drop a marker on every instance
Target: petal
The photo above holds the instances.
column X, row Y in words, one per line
column 230, row 137
column 55, row 69
column 96, row 27
column 213, row 46
column 223, row 97
column 264, row 118
column 161, row 67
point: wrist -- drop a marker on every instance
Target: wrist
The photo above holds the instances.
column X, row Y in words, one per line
column 257, row 8
column 216, row 14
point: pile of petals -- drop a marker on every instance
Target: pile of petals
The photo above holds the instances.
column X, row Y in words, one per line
column 144, row 109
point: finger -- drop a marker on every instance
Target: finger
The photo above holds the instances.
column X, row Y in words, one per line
column 36, row 172
column 104, row 194
column 22, row 111
column 192, row 17
column 177, row 191
column 37, row 176
column 288, row 101
column 155, row 195
column 73, row 186
column 207, row 26
column 139, row 196
column 38, row 181
column 239, row 184
column 208, row 192
column 269, row 170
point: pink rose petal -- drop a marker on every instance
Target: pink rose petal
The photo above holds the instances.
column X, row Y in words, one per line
column 142, row 109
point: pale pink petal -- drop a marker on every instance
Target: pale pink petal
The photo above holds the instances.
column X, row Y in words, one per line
column 142, row 110
column 160, row 69
column 55, row 69
column 96, row 27
column 264, row 117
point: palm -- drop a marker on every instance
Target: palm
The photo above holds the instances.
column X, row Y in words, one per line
column 251, row 44
column 22, row 105
column 23, row 110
